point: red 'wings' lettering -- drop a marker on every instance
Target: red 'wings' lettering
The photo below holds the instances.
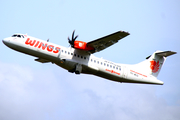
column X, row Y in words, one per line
column 43, row 46
column 30, row 42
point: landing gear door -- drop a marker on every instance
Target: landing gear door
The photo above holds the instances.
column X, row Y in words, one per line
column 59, row 55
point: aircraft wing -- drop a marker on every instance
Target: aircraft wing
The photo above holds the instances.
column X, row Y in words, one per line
column 104, row 42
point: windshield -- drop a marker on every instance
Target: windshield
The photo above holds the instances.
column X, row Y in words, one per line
column 17, row 35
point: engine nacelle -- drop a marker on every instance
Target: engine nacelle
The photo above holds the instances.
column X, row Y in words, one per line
column 82, row 45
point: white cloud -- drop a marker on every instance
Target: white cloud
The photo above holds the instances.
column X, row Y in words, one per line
column 27, row 94
column 56, row 94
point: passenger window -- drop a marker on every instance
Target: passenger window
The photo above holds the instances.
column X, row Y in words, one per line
column 98, row 62
column 104, row 64
column 62, row 50
column 120, row 69
column 101, row 63
column 117, row 68
column 75, row 55
column 50, row 47
column 91, row 60
column 94, row 61
column 113, row 67
column 68, row 52
column 78, row 55
column 65, row 51
column 108, row 65
column 71, row 53
column 84, row 57
column 44, row 45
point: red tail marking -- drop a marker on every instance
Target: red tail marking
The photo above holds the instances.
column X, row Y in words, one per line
column 154, row 66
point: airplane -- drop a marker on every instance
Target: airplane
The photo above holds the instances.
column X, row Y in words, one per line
column 79, row 58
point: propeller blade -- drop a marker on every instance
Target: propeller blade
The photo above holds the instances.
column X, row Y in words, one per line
column 73, row 35
column 71, row 41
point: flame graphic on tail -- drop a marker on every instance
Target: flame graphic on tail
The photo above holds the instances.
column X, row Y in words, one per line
column 154, row 66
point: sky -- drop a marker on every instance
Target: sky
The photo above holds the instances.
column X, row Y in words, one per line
column 31, row 90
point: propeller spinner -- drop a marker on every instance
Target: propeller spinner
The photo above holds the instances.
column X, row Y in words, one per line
column 71, row 41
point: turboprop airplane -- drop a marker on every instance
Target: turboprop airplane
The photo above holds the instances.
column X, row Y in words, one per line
column 79, row 58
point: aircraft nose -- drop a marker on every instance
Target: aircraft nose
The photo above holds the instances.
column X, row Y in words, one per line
column 6, row 41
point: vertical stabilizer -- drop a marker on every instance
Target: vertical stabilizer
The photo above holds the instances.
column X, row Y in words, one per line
column 154, row 63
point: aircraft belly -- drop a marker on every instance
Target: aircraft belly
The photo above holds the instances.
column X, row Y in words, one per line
column 126, row 80
column 110, row 76
column 68, row 65
column 88, row 70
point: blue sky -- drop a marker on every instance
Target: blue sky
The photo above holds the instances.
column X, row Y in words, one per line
column 31, row 90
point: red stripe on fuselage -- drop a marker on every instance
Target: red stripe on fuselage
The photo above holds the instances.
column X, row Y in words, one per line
column 112, row 71
column 138, row 73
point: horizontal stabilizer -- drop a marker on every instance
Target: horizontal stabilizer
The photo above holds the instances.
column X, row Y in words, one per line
column 165, row 53
column 42, row 60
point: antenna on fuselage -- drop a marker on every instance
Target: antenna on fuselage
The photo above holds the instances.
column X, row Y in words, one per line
column 48, row 40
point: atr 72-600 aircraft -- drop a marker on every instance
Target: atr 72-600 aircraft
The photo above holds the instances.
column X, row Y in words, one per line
column 79, row 58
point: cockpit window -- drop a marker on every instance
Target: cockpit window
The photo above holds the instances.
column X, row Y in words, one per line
column 16, row 35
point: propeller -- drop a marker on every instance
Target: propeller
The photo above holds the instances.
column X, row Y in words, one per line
column 71, row 41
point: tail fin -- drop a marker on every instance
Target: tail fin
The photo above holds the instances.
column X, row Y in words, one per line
column 154, row 62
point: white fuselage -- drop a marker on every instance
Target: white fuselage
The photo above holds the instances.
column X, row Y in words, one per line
column 78, row 61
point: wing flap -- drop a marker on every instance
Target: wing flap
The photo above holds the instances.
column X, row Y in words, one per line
column 104, row 42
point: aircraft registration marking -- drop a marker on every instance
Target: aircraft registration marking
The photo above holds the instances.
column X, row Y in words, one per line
column 138, row 73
